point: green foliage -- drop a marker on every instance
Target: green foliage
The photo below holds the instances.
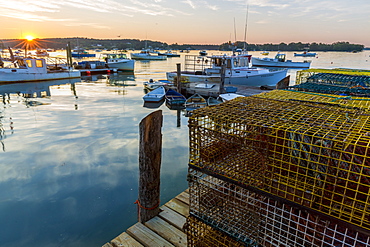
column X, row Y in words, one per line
column 337, row 46
column 121, row 44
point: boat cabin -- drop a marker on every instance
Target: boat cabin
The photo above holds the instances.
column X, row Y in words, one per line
column 33, row 65
column 211, row 65
column 115, row 56
column 232, row 62
column 280, row 57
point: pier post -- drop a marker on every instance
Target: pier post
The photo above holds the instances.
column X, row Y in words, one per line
column 178, row 66
column 223, row 70
column 150, row 157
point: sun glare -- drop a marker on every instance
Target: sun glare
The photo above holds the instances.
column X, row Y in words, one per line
column 29, row 37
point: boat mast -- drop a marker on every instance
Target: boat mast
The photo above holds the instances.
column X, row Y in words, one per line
column 246, row 29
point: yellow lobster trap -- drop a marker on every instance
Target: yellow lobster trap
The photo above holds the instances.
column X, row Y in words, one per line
column 223, row 214
column 314, row 155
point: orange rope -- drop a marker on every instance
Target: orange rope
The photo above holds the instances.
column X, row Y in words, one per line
column 140, row 206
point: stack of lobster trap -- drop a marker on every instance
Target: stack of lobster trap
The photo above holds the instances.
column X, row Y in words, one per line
column 279, row 172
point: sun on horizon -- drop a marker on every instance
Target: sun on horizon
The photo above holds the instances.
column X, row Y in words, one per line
column 29, row 37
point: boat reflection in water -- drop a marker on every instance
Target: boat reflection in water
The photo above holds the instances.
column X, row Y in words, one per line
column 35, row 89
column 150, row 104
column 121, row 79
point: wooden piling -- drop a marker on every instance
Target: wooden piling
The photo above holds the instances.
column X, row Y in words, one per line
column 178, row 66
column 223, row 70
column 150, row 156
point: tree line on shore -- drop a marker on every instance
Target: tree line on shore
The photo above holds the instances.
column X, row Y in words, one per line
column 136, row 44
column 337, row 46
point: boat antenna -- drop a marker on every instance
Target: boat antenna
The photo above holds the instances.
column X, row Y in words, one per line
column 246, row 28
column 234, row 29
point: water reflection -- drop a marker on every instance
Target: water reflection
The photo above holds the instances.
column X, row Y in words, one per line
column 68, row 170
column 153, row 105
column 32, row 89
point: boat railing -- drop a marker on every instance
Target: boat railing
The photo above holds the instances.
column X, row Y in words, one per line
column 197, row 63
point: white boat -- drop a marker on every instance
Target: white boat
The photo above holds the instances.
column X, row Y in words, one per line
column 195, row 101
column 203, row 53
column 34, row 69
column 229, row 96
column 147, row 55
column 305, row 54
column 41, row 53
column 169, row 54
column 82, row 53
column 119, row 61
column 214, row 101
column 151, row 84
column 238, row 71
column 279, row 61
column 156, row 95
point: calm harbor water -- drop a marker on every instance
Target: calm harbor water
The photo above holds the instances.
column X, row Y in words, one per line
column 69, row 155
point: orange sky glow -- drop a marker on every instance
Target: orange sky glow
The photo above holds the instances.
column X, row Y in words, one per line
column 190, row 21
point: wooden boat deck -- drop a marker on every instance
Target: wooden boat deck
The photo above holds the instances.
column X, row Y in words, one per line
column 166, row 229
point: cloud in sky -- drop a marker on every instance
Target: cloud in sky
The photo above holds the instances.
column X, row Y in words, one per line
column 190, row 3
column 183, row 15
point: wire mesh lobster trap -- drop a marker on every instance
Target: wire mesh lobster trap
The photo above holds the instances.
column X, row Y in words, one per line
column 334, row 81
column 349, row 102
column 225, row 214
column 314, row 155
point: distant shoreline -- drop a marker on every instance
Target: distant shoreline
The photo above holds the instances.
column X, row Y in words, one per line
column 122, row 44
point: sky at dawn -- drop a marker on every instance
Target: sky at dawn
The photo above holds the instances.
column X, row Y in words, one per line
column 190, row 21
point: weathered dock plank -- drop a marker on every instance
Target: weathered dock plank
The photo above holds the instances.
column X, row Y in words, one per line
column 184, row 197
column 125, row 240
column 146, row 236
column 178, row 206
column 172, row 217
column 167, row 231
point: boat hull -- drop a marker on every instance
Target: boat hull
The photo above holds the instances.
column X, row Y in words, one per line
column 304, row 54
column 16, row 75
column 139, row 56
column 286, row 64
column 255, row 80
column 174, row 98
column 127, row 65
column 83, row 55
column 156, row 95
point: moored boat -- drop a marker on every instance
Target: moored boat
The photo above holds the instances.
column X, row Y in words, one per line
column 305, row 54
column 169, row 54
column 34, row 69
column 174, row 98
column 214, row 101
column 195, row 101
column 119, row 61
column 279, row 61
column 41, row 53
column 147, row 55
column 156, row 95
column 238, row 71
column 203, row 53
column 82, row 53
column 151, row 84
column 229, row 96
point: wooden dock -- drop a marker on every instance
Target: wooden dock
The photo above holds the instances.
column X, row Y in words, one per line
column 166, row 229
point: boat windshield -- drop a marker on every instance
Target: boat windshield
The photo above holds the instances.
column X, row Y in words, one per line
column 39, row 63
column 29, row 63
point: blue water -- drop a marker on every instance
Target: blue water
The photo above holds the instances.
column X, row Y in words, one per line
column 69, row 154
